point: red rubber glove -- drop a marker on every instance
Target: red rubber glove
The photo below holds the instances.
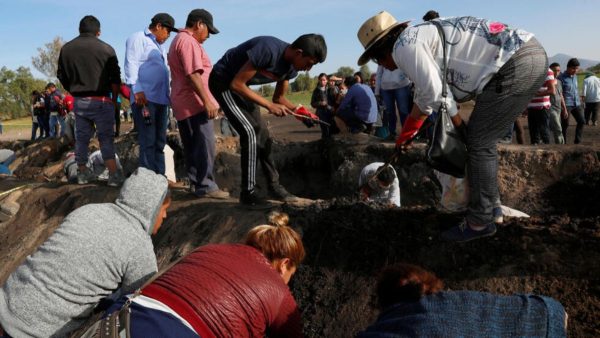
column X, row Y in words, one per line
column 409, row 130
column 309, row 119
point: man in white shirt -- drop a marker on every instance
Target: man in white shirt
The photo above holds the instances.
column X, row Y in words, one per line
column 382, row 188
column 591, row 97
column 501, row 66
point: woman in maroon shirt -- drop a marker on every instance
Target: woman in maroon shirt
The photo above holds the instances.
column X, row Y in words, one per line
column 227, row 290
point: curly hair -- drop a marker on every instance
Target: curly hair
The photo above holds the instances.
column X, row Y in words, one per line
column 404, row 282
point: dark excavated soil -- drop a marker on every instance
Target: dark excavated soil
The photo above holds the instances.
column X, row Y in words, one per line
column 556, row 252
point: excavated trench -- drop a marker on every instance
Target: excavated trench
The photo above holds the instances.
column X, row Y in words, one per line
column 556, row 252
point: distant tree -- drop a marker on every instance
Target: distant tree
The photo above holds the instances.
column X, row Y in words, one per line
column 303, row 82
column 366, row 72
column 47, row 60
column 266, row 90
column 595, row 69
column 15, row 91
column 345, row 71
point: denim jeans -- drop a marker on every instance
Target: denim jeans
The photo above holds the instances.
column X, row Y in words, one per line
column 57, row 120
column 89, row 113
column 392, row 98
column 152, row 137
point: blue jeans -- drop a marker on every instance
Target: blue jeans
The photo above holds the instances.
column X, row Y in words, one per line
column 57, row 120
column 153, row 137
column 89, row 113
column 392, row 98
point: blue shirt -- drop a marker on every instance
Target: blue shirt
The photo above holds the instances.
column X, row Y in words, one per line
column 570, row 90
column 359, row 102
column 265, row 53
column 146, row 67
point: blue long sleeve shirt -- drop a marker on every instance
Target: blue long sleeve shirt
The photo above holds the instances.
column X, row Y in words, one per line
column 570, row 89
column 146, row 67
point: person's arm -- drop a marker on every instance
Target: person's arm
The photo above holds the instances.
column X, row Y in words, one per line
column 114, row 73
column 140, row 266
column 279, row 95
column 378, row 78
column 288, row 322
column 196, row 80
column 394, row 194
column 315, row 100
column 564, row 111
column 134, row 48
column 238, row 85
column 60, row 73
column 550, row 88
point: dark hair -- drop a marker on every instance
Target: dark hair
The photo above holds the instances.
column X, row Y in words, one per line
column 89, row 24
column 321, row 75
column 403, row 283
column 385, row 45
column 360, row 76
column 349, row 81
column 430, row 15
column 573, row 63
column 35, row 92
column 386, row 175
column 312, row 45
column 554, row 64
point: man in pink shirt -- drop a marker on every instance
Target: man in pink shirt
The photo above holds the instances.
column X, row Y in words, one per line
column 193, row 105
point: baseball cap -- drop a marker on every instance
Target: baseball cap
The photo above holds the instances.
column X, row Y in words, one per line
column 166, row 21
column 204, row 16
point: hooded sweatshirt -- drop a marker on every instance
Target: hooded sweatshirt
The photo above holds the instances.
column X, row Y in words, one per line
column 97, row 249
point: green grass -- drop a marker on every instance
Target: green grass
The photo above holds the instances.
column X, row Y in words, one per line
column 302, row 98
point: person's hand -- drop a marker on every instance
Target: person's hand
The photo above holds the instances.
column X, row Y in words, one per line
column 279, row 109
column 212, row 110
column 324, row 103
column 364, row 194
column 140, row 98
column 409, row 131
column 564, row 114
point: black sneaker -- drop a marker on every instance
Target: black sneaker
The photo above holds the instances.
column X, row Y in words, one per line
column 251, row 200
column 278, row 192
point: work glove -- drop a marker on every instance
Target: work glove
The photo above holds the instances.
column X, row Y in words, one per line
column 409, row 131
column 305, row 116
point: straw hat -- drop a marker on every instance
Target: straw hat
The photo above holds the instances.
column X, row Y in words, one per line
column 373, row 30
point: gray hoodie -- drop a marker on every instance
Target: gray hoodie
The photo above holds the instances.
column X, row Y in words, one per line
column 97, row 249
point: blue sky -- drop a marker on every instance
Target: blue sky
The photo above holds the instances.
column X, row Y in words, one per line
column 568, row 27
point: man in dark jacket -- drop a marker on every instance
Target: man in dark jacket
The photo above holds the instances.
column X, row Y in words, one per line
column 88, row 68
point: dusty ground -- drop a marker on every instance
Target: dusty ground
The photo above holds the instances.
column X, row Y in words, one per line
column 555, row 253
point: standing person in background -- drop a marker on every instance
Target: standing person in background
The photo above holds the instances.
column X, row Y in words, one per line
column 558, row 109
column 321, row 101
column 430, row 15
column 394, row 88
column 572, row 100
column 89, row 69
column 54, row 105
column 358, row 77
column 261, row 60
column 37, row 111
column 147, row 74
column 193, row 104
column 537, row 111
column 591, row 97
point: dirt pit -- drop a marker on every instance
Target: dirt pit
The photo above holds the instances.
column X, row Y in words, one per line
column 556, row 252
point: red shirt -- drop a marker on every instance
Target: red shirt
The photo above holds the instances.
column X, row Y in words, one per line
column 187, row 56
column 69, row 102
column 232, row 290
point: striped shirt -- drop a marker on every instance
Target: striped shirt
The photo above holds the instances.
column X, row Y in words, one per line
column 543, row 102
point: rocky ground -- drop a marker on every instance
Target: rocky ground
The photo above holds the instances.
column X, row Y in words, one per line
column 556, row 252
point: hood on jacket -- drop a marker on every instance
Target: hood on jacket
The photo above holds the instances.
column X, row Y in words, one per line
column 142, row 194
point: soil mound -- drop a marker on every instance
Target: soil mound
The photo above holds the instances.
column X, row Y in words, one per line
column 556, row 252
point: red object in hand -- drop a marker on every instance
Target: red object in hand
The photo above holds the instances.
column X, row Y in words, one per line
column 409, row 130
column 124, row 90
column 306, row 116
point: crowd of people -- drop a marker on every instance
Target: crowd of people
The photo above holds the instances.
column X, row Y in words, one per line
column 105, row 250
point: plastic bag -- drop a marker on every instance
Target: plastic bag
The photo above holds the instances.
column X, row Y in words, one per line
column 455, row 192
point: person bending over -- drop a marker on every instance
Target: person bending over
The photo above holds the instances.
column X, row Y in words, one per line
column 226, row 290
column 412, row 304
